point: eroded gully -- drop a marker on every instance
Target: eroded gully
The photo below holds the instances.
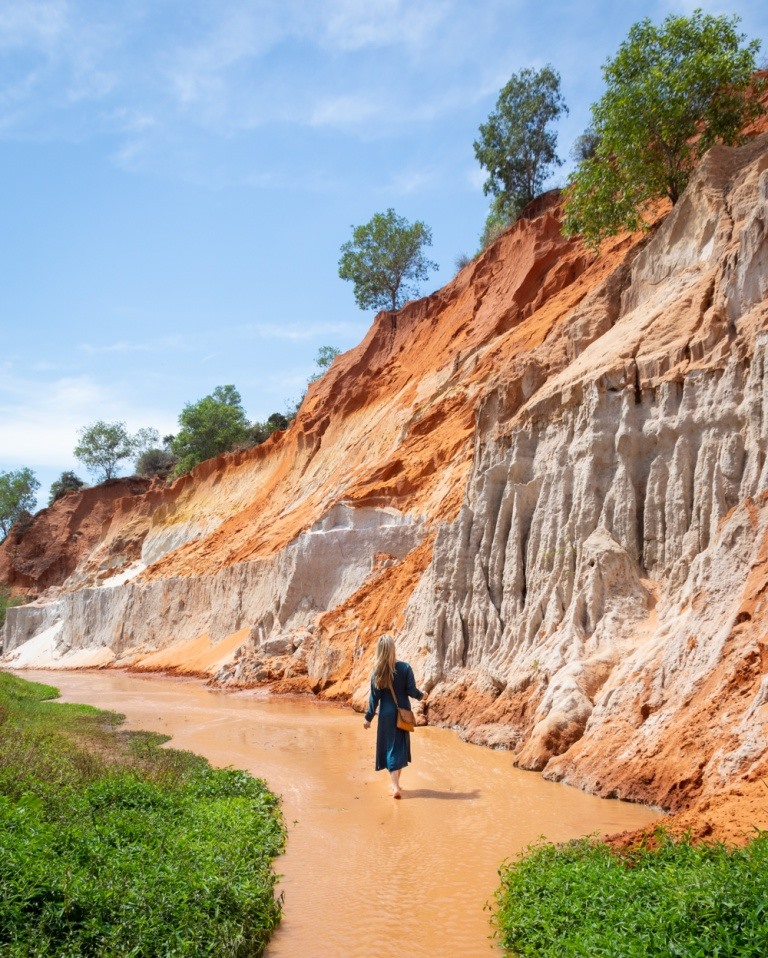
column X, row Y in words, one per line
column 364, row 874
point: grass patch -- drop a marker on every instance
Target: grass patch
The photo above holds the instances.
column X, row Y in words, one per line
column 113, row 847
column 669, row 899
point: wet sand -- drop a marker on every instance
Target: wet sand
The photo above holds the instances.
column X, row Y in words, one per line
column 364, row 874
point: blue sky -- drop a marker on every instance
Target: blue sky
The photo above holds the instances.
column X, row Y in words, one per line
column 178, row 176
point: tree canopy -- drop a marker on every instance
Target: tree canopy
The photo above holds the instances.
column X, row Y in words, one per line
column 209, row 427
column 385, row 259
column 517, row 145
column 18, row 496
column 103, row 446
column 672, row 91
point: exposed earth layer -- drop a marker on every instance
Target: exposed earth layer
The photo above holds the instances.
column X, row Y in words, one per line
column 549, row 478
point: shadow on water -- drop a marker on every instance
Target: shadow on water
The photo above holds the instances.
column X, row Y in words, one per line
column 434, row 793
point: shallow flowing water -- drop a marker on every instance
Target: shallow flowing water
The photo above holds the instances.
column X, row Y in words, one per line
column 364, row 874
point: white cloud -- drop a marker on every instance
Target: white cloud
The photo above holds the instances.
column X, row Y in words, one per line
column 351, row 25
column 405, row 182
column 347, row 110
column 124, row 346
column 40, row 23
column 40, row 419
column 297, row 333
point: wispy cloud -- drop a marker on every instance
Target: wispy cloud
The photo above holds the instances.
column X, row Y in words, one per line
column 296, row 333
column 40, row 418
column 405, row 182
column 347, row 110
column 351, row 25
column 165, row 74
column 126, row 346
column 37, row 23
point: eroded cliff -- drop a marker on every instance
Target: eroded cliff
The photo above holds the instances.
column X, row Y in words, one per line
column 549, row 478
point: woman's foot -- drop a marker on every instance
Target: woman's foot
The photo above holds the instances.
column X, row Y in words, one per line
column 396, row 793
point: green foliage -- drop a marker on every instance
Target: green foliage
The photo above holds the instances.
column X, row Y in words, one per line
column 676, row 899
column 671, row 93
column 259, row 432
column 516, row 145
column 585, row 146
column 498, row 220
column 18, row 497
column 462, row 261
column 209, row 427
column 156, row 462
column 103, row 446
column 384, row 258
column 111, row 846
column 67, row 482
column 324, row 361
column 143, row 440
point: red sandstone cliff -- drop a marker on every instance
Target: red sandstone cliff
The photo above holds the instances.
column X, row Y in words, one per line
column 549, row 478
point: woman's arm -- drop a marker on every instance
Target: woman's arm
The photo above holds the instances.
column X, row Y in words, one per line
column 410, row 685
column 373, row 701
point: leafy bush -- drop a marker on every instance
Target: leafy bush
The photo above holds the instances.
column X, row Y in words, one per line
column 674, row 899
column 67, row 482
column 209, row 427
column 156, row 462
column 112, row 847
column 672, row 91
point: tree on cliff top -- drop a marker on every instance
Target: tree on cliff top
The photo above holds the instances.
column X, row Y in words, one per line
column 209, row 427
column 384, row 258
column 516, row 144
column 672, row 91
column 103, row 446
column 18, row 496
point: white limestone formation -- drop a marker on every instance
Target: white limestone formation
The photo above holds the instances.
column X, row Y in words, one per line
column 272, row 598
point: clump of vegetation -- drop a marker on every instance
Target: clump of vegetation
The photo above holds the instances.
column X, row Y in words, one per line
column 111, row 846
column 67, row 482
column 672, row 91
column 385, row 260
column 517, row 146
column 209, row 427
column 156, row 462
column 18, row 497
column 668, row 898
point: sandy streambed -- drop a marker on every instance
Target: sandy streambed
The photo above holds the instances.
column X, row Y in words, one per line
column 364, row 874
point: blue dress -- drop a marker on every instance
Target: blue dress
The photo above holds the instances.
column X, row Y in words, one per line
column 393, row 745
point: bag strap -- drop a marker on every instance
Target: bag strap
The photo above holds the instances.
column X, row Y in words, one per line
column 392, row 691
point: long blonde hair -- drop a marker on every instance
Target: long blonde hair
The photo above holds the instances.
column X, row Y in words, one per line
column 384, row 670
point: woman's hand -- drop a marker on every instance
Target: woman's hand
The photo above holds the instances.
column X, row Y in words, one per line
column 424, row 698
column 366, row 724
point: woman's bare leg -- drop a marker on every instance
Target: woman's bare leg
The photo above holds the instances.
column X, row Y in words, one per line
column 395, row 776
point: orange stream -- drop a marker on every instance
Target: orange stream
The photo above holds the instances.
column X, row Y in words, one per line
column 364, row 874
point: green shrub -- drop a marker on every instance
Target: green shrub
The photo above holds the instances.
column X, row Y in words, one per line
column 672, row 899
column 110, row 846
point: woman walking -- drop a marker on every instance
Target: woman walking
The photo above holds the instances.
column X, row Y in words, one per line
column 393, row 744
